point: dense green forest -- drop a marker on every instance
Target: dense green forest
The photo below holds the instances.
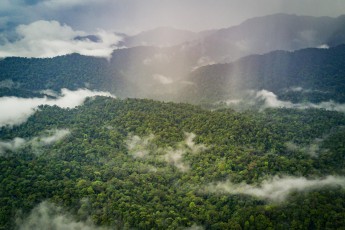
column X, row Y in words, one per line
column 142, row 164
column 149, row 72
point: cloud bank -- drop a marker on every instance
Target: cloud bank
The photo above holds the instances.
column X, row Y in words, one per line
column 15, row 110
column 276, row 189
column 271, row 100
column 266, row 99
column 49, row 216
column 50, row 38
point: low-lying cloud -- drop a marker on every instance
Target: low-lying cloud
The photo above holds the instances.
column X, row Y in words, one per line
column 144, row 148
column 50, row 38
column 313, row 149
column 49, row 216
column 276, row 189
column 12, row 145
column 175, row 158
column 271, row 100
column 52, row 137
column 139, row 147
column 15, row 110
column 266, row 99
column 49, row 137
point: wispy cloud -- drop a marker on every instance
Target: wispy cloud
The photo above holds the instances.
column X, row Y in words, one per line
column 266, row 99
column 12, row 145
column 271, row 100
column 51, row 137
column 49, row 216
column 144, row 148
column 276, row 189
column 139, row 147
column 48, row 138
column 15, row 111
column 50, row 39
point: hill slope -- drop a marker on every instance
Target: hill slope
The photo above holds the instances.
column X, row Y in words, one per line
column 320, row 72
column 145, row 164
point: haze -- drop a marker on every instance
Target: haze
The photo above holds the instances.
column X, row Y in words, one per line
column 132, row 16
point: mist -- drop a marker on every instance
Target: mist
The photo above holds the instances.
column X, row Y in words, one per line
column 139, row 147
column 12, row 145
column 145, row 148
column 47, row 138
column 15, row 110
column 276, row 189
column 266, row 99
column 49, row 216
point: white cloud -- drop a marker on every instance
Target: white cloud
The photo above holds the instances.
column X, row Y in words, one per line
column 15, row 111
column 276, row 189
column 323, row 46
column 313, row 149
column 175, row 157
column 271, row 100
column 139, row 147
column 53, row 137
column 267, row 99
column 203, row 61
column 144, row 148
column 189, row 141
column 49, row 216
column 162, row 79
column 12, row 145
column 50, row 39
column 49, row 138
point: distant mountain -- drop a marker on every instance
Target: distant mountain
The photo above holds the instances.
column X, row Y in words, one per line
column 318, row 74
column 162, row 36
column 189, row 71
column 274, row 32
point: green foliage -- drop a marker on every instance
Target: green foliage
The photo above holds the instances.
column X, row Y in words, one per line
column 92, row 174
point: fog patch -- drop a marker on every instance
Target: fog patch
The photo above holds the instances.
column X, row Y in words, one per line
column 271, row 100
column 265, row 99
column 162, row 79
column 12, row 145
column 49, row 216
column 175, row 158
column 15, row 110
column 45, row 39
column 48, row 137
column 195, row 227
column 145, row 149
column 203, row 61
column 8, row 83
column 276, row 189
column 52, row 137
column 313, row 149
column 323, row 46
column 189, row 141
column 49, row 92
column 139, row 147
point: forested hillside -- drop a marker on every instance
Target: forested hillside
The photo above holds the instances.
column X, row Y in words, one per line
column 319, row 74
column 141, row 164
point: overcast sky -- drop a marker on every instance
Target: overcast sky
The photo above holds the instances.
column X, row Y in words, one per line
column 131, row 16
column 47, row 28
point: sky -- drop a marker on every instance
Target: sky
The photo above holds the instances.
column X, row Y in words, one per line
column 47, row 28
column 132, row 16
